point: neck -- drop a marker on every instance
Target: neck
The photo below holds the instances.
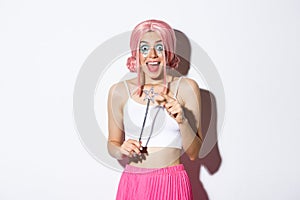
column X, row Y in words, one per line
column 155, row 81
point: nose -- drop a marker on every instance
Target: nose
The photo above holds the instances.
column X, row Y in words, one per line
column 153, row 53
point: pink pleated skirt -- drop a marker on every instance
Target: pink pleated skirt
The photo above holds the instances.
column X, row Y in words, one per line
column 170, row 183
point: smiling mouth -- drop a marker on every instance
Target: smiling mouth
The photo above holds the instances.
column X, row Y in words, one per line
column 153, row 66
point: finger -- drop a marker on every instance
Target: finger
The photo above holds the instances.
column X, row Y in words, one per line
column 127, row 148
column 134, row 148
column 171, row 104
column 124, row 151
column 168, row 98
column 135, row 142
column 175, row 109
column 128, row 151
column 160, row 100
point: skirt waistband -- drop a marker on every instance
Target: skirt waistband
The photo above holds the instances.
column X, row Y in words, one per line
column 164, row 170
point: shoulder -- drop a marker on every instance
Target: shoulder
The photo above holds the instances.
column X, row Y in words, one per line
column 189, row 90
column 118, row 91
column 188, row 85
column 117, row 86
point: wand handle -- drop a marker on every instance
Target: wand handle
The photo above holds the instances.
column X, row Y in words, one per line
column 148, row 102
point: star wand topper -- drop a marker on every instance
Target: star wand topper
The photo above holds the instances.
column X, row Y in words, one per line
column 150, row 94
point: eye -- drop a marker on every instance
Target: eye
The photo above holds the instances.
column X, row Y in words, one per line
column 159, row 47
column 144, row 48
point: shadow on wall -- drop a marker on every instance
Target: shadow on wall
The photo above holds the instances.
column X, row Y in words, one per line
column 211, row 159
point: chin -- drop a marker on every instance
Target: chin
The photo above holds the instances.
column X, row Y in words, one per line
column 154, row 73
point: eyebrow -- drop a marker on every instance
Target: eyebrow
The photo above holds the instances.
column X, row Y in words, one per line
column 148, row 42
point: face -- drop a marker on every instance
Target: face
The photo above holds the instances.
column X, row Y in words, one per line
column 151, row 55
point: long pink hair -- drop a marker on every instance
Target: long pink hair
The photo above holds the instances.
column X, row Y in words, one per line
column 169, row 41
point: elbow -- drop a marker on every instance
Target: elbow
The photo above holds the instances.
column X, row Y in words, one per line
column 109, row 149
column 114, row 151
column 193, row 153
column 193, row 157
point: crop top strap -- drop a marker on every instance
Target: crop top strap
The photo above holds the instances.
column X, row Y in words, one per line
column 177, row 86
column 127, row 88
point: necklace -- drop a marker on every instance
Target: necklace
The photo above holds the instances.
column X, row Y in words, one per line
column 150, row 94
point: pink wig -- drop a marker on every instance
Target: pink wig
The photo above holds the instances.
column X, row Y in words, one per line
column 169, row 41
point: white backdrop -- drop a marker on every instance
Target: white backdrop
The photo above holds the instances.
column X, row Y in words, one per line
column 255, row 46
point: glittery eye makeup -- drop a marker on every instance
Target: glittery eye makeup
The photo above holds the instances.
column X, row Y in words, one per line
column 145, row 48
column 159, row 48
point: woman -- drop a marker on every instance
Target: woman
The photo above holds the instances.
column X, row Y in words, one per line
column 154, row 118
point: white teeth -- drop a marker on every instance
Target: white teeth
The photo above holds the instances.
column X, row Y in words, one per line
column 153, row 63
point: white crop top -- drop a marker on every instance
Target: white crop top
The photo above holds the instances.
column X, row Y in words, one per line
column 162, row 129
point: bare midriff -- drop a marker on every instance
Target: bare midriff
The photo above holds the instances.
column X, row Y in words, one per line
column 157, row 157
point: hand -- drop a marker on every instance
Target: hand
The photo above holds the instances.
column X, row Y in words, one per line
column 130, row 148
column 172, row 106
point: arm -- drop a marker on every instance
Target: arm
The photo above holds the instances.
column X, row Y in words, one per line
column 117, row 147
column 187, row 114
column 190, row 128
